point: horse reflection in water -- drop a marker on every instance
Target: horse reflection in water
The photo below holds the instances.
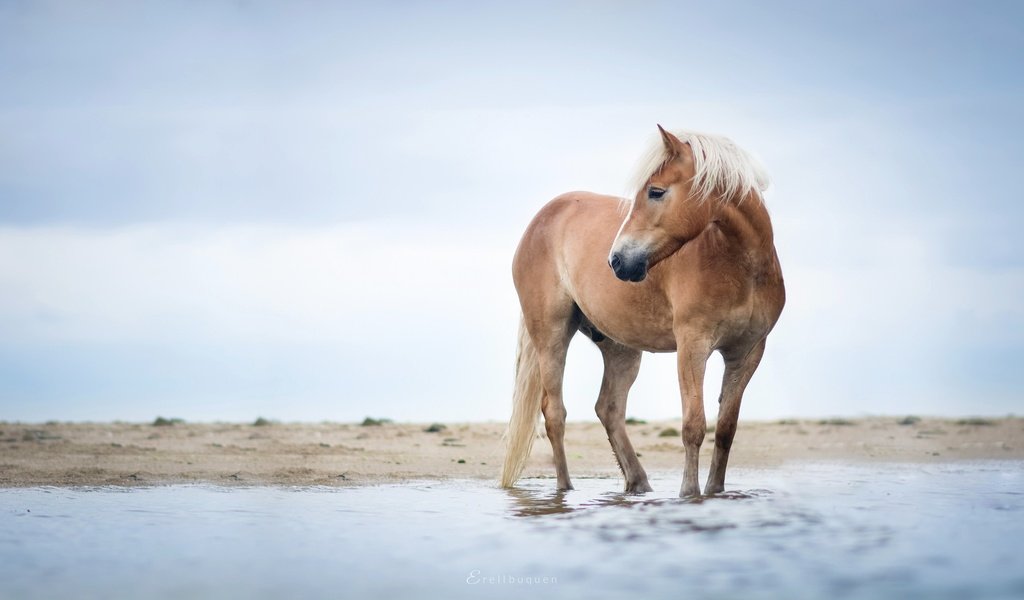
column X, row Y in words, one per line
column 664, row 512
column 690, row 269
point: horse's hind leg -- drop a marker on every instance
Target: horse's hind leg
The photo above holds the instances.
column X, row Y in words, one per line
column 551, row 335
column 621, row 365
column 738, row 371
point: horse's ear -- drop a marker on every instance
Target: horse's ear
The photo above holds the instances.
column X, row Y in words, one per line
column 673, row 146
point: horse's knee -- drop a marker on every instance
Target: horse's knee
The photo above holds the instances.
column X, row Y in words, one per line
column 693, row 431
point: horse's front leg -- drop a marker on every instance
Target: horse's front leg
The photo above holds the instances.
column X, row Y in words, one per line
column 693, row 352
column 738, row 371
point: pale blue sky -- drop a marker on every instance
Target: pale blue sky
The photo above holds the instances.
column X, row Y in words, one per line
column 308, row 211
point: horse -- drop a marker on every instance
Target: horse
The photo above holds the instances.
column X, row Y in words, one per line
column 691, row 268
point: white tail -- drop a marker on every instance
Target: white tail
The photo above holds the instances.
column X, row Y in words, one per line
column 526, row 405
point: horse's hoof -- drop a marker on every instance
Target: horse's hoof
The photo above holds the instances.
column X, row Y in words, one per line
column 689, row 492
column 641, row 487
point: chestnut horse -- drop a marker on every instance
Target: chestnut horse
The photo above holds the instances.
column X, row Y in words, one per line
column 692, row 269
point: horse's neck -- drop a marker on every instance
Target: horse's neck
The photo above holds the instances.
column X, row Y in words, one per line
column 747, row 230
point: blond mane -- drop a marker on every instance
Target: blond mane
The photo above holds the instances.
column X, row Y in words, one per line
column 722, row 168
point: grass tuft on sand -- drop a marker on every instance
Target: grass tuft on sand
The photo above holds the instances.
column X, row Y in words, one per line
column 162, row 422
column 371, row 422
column 836, row 421
column 976, row 421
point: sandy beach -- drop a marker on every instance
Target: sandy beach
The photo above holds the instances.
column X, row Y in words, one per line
column 130, row 454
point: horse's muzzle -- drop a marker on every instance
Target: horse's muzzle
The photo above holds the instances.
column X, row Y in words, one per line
column 628, row 268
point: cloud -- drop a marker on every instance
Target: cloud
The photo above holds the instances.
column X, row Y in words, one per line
column 167, row 283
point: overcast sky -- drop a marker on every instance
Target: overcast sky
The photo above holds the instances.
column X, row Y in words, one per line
column 308, row 211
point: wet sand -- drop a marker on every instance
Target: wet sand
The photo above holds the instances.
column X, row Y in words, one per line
column 337, row 454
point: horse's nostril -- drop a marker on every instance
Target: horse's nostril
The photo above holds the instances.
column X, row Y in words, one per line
column 616, row 261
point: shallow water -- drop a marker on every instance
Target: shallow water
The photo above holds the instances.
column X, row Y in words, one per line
column 936, row 531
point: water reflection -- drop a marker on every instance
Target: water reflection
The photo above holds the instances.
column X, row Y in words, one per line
column 535, row 501
column 531, row 503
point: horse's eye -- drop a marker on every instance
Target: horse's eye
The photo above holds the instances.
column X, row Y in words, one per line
column 655, row 193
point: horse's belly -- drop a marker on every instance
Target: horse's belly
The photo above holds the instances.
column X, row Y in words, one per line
column 651, row 340
column 630, row 318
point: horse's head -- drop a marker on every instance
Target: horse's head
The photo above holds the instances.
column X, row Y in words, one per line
column 664, row 214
